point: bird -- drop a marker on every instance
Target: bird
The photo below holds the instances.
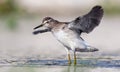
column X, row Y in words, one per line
column 69, row 33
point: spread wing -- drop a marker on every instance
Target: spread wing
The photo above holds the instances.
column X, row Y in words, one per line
column 89, row 21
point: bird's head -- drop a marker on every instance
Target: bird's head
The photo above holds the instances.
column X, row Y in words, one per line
column 47, row 22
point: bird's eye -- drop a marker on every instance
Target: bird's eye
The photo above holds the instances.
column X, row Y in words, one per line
column 48, row 21
column 45, row 22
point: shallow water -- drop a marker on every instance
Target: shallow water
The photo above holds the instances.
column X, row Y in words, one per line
column 83, row 65
column 82, row 62
column 58, row 69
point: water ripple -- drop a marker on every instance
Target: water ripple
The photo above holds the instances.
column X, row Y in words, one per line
column 57, row 62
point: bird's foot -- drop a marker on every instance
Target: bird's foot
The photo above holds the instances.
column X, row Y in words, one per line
column 75, row 59
column 75, row 62
column 69, row 62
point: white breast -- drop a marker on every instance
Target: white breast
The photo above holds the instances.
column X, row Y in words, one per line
column 62, row 37
column 68, row 39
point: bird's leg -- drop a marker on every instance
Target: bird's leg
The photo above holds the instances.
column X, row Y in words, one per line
column 75, row 62
column 69, row 58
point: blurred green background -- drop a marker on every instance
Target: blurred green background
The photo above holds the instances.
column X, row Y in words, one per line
column 11, row 10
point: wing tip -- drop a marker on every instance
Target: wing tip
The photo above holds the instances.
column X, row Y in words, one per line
column 97, row 11
column 97, row 7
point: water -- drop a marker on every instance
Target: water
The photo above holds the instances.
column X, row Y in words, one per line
column 58, row 69
column 37, row 63
column 55, row 65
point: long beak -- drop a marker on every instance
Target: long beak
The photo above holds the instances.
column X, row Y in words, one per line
column 38, row 26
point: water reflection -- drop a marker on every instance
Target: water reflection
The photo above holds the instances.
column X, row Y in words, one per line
column 45, row 68
column 37, row 65
column 76, row 69
column 90, row 69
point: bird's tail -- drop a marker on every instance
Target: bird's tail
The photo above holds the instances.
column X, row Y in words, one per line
column 90, row 49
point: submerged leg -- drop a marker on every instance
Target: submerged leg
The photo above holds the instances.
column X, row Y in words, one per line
column 75, row 61
column 69, row 59
column 68, row 53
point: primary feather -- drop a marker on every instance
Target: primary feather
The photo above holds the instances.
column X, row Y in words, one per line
column 89, row 21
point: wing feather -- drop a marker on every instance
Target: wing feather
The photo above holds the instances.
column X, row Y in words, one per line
column 89, row 21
